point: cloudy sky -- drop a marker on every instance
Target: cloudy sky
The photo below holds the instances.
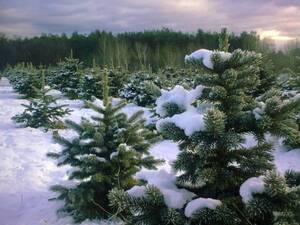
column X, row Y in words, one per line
column 278, row 19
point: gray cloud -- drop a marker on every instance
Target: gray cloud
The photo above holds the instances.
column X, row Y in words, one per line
column 32, row 17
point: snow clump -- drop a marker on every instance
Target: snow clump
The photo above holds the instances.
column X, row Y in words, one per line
column 174, row 197
column 205, row 56
column 253, row 185
column 200, row 203
column 179, row 96
column 190, row 121
column 137, row 191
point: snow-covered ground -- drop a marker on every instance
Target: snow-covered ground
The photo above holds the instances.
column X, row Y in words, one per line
column 26, row 173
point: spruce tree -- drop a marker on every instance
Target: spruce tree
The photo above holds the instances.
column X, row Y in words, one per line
column 42, row 111
column 67, row 76
column 224, row 40
column 234, row 183
column 90, row 85
column 107, row 152
column 25, row 79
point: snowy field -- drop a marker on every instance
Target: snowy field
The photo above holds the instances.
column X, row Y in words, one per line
column 26, row 173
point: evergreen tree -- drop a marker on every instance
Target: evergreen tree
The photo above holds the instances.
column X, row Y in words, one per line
column 117, row 78
column 235, row 181
column 67, row 77
column 108, row 151
column 25, row 80
column 289, row 83
column 267, row 77
column 91, row 84
column 224, row 40
column 42, row 111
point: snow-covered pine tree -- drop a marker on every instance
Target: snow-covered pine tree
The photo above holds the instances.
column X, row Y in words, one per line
column 234, row 183
column 42, row 111
column 108, row 151
column 66, row 77
column 25, row 79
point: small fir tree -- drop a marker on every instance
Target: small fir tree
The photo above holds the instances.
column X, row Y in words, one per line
column 42, row 111
column 67, row 77
column 25, row 80
column 224, row 40
column 108, row 151
column 117, row 78
column 90, row 85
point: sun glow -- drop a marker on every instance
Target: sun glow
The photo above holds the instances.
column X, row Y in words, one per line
column 274, row 35
column 190, row 5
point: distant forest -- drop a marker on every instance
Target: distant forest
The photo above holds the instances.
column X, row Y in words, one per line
column 134, row 50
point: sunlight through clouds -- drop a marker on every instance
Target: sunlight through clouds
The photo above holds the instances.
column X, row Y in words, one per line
column 274, row 35
column 275, row 19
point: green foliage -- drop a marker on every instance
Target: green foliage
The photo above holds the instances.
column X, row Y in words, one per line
column 91, row 82
column 224, row 41
column 220, row 215
column 25, row 80
column 214, row 162
column 105, row 87
column 42, row 112
column 292, row 178
column 290, row 80
column 142, row 89
column 66, row 77
column 280, row 116
column 279, row 204
column 173, row 76
column 117, row 78
column 149, row 209
column 91, row 85
column 129, row 50
column 106, row 154
column 268, row 77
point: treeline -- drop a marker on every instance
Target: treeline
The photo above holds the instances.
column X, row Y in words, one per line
column 130, row 50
